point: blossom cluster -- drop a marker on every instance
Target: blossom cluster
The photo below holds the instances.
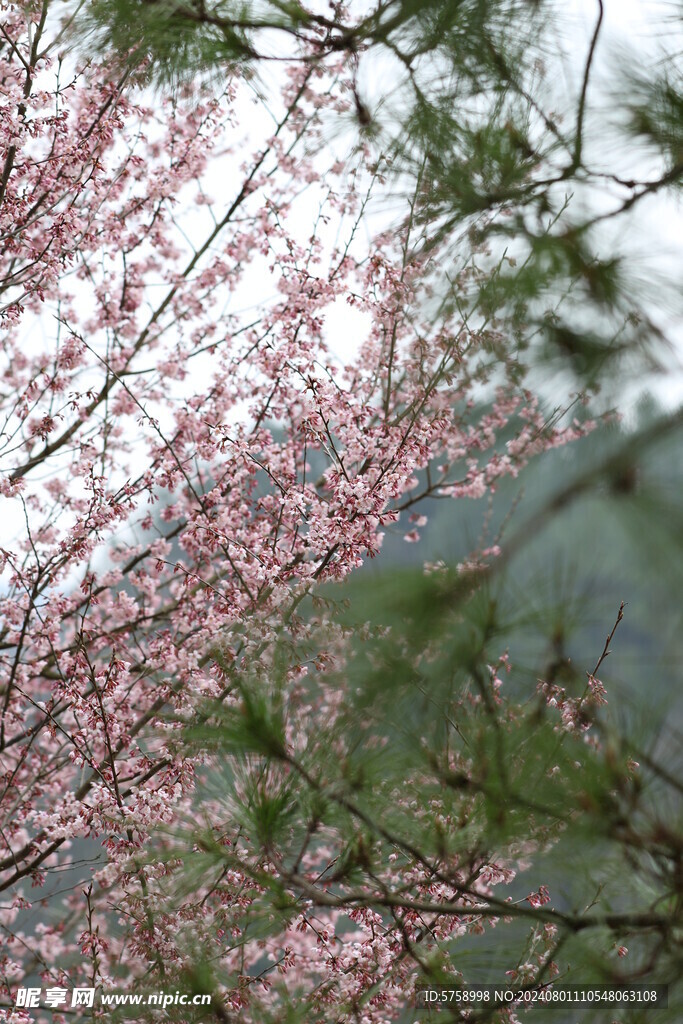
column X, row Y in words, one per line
column 184, row 458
